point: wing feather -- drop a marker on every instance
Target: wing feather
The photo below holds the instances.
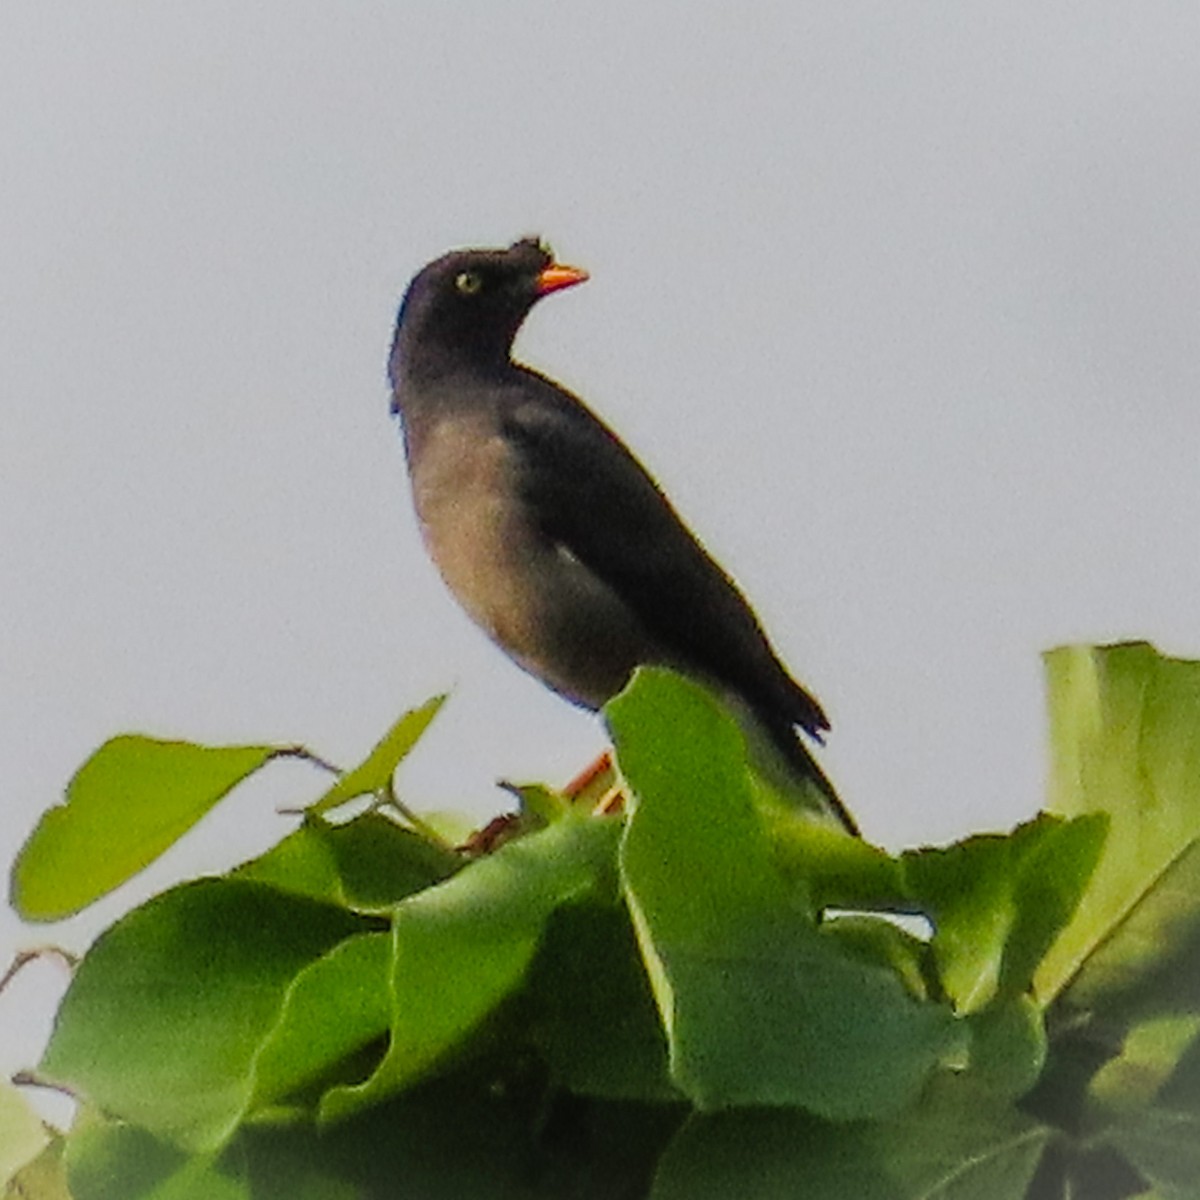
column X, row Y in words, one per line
column 593, row 497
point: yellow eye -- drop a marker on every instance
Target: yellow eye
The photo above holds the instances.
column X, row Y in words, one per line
column 468, row 282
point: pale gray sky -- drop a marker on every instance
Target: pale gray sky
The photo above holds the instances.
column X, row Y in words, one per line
column 899, row 301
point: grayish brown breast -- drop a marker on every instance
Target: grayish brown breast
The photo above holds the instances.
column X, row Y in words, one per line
column 553, row 615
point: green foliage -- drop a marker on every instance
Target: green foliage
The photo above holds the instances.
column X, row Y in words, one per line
column 707, row 996
column 22, row 1135
column 131, row 800
column 758, row 1007
column 1124, row 727
column 375, row 772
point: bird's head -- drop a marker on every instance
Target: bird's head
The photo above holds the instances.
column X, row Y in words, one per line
column 465, row 308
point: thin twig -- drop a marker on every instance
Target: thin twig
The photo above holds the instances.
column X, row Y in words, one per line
column 23, row 957
column 389, row 797
column 32, row 1079
column 306, row 755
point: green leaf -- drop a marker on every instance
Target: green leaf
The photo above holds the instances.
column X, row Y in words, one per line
column 461, row 949
column 488, row 1127
column 119, row 1162
column 998, row 902
column 1008, row 1046
column 366, row 864
column 1164, row 1146
column 22, row 1135
column 168, row 1009
column 1125, row 735
column 878, row 941
column 114, row 1161
column 961, row 1143
column 1149, row 1056
column 128, row 803
column 765, row 1154
column 956, row 1144
column 759, row 1006
column 1149, row 965
column 43, row 1177
column 300, row 1166
column 540, row 805
column 830, row 870
column 592, row 1012
column 376, row 770
column 1182, row 1089
column 335, row 1006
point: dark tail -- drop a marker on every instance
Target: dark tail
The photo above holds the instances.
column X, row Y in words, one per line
column 797, row 756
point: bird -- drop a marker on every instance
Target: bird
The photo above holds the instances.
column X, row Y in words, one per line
column 548, row 531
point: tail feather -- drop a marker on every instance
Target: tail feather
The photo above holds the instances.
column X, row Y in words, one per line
column 797, row 756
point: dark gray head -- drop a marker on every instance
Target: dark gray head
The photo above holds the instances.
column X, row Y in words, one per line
column 465, row 308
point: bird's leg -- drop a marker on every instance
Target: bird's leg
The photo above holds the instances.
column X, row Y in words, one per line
column 597, row 786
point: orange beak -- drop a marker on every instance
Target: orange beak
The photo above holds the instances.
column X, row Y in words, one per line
column 555, row 277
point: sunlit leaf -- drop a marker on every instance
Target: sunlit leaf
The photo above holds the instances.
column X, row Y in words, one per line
column 998, row 901
column 462, row 948
column 168, row 1009
column 128, row 803
column 43, row 1177
column 366, row 864
column 1125, row 735
column 758, row 1005
column 1149, row 1056
column 22, row 1135
column 334, row 1007
column 376, row 770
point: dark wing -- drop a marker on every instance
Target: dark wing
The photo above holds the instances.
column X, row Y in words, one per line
column 592, row 496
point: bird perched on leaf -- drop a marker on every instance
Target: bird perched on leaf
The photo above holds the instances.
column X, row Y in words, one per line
column 549, row 532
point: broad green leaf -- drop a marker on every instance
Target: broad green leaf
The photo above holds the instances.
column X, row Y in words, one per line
column 488, row 1127
column 1125, row 736
column 367, row 864
column 829, row 869
column 376, row 770
column 1182, row 1089
column 42, row 1178
column 113, row 1161
column 591, row 1009
column 300, row 1166
column 770, row 1154
column 1149, row 1057
column 876, row 940
column 119, row 1162
column 998, row 902
column 335, row 1006
column 1164, row 1146
column 202, row 1179
column 956, row 1144
column 1150, row 963
column 759, row 1006
column 461, row 949
column 1146, row 1101
column 165, row 1014
column 1008, row 1046
column 961, row 1143
column 22, row 1135
column 128, row 803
